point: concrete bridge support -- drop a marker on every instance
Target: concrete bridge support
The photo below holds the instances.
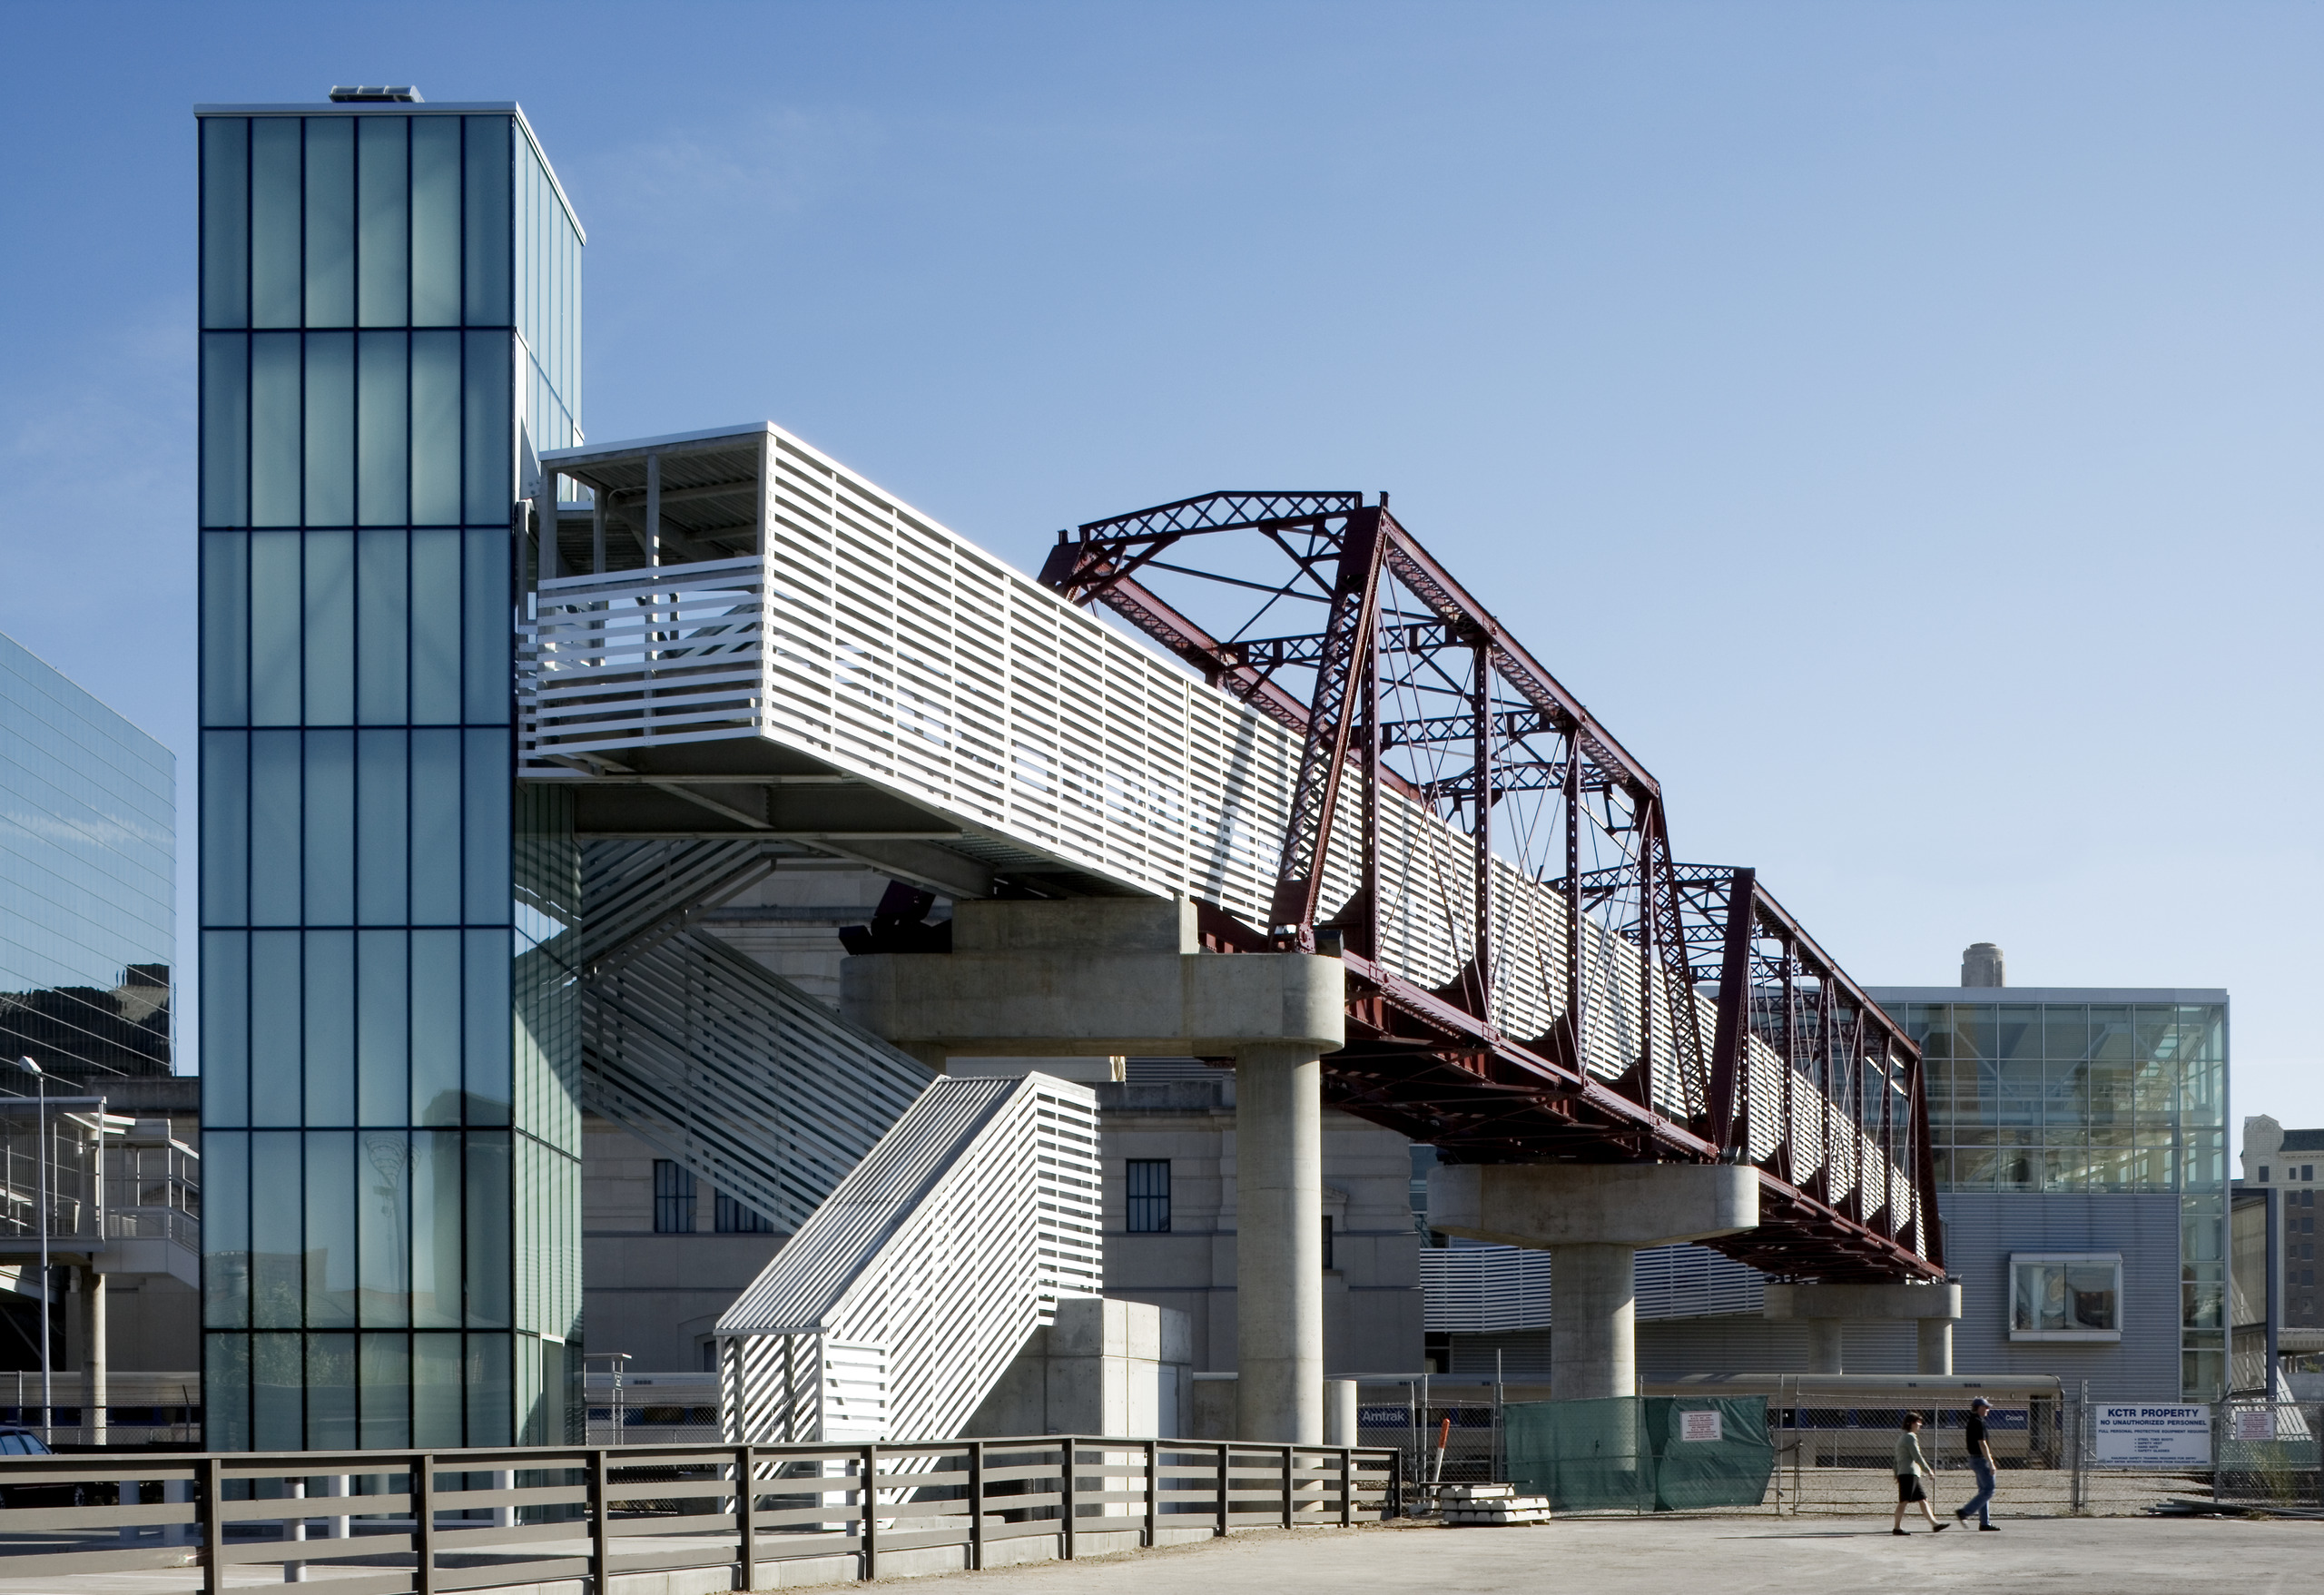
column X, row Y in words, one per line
column 1830, row 1308
column 1112, row 976
column 1591, row 1216
column 1279, row 1243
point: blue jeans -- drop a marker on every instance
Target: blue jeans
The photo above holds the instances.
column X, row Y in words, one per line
column 1983, row 1499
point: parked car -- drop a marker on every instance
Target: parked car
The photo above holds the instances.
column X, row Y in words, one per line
column 26, row 1443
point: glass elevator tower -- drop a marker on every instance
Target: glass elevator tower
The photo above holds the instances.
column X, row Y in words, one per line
column 390, row 314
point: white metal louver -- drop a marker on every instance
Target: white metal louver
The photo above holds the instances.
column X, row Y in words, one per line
column 899, row 1303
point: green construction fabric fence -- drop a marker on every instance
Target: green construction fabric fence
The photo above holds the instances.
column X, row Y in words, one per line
column 1640, row 1454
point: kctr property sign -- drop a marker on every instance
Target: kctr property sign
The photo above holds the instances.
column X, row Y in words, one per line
column 2153, row 1436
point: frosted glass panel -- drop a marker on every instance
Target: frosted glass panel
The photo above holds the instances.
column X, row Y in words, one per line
column 384, row 241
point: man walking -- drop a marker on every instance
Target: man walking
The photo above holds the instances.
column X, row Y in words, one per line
column 1980, row 1463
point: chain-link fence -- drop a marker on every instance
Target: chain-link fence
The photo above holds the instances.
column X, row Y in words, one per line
column 1833, row 1458
column 2056, row 1455
column 1411, row 1415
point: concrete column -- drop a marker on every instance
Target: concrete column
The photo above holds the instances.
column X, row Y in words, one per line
column 1591, row 1219
column 1825, row 1338
column 93, row 1354
column 1340, row 1418
column 1594, row 1334
column 1279, row 1244
column 1936, row 1345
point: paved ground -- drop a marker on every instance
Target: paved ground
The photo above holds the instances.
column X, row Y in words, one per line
column 1706, row 1556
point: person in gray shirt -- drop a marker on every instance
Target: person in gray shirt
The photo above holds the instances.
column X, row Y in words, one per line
column 1912, row 1478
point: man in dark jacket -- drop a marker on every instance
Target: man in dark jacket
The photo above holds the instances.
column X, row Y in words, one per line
column 1980, row 1463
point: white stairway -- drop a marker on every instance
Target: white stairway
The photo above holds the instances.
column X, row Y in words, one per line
column 902, row 1300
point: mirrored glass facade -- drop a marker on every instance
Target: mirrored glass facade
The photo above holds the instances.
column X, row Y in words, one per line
column 2068, row 1093
column 389, row 302
column 88, row 881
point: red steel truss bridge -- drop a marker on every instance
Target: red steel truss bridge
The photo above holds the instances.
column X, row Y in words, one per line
column 1687, row 1018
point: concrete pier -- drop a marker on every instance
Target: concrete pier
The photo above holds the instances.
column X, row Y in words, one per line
column 1830, row 1308
column 1279, row 1244
column 1593, row 1330
column 1591, row 1217
column 1114, row 976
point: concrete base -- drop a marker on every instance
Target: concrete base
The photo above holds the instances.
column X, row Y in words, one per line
column 1105, row 1367
column 1213, row 1409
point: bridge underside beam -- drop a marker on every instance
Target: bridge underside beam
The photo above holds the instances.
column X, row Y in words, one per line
column 1418, row 1065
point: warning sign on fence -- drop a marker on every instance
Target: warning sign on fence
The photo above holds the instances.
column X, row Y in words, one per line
column 2130, row 1436
column 1699, row 1426
column 2255, row 1423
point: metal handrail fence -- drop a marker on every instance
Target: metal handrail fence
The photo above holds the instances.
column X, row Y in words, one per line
column 420, row 1523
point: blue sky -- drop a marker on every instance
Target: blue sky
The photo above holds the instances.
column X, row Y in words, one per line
column 1897, row 421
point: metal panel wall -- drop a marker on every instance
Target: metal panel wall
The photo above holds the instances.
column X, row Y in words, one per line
column 1982, row 1231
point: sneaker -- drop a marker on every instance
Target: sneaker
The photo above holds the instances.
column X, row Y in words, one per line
column 1898, row 1532
column 1940, row 1528
column 1988, row 1527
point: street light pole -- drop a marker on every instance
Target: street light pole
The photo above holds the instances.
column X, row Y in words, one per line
column 40, row 1131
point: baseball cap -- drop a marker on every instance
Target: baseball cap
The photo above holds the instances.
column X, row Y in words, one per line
column 1980, row 1402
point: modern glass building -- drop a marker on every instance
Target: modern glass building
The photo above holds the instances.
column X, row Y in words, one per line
column 2081, row 1143
column 88, row 881
column 389, row 309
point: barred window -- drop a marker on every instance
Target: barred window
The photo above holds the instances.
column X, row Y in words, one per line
column 730, row 1218
column 672, row 1198
column 1149, row 1196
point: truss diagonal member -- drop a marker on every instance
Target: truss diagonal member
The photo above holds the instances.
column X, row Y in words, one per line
column 1417, row 569
column 1733, row 1019
column 1348, row 641
column 1669, row 950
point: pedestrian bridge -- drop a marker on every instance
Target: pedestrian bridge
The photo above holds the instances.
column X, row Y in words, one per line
column 739, row 648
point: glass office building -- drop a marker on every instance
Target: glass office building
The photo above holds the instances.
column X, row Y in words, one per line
column 2081, row 1146
column 88, row 883
column 389, row 312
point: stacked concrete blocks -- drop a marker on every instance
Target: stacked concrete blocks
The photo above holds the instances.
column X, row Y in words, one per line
column 1480, row 1506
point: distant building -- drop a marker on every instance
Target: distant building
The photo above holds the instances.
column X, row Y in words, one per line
column 88, row 883
column 88, row 908
column 2080, row 1139
column 2285, row 1163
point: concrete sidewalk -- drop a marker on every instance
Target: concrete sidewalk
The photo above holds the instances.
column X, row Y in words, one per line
column 1692, row 1556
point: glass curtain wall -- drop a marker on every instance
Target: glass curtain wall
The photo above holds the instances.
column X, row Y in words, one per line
column 2099, row 1098
column 389, row 1065
column 88, row 848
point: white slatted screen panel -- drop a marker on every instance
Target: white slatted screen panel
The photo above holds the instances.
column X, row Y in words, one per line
column 722, row 1065
column 948, row 1245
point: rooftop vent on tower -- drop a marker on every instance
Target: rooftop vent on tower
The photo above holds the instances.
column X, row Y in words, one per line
column 390, row 94
column 1981, row 966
